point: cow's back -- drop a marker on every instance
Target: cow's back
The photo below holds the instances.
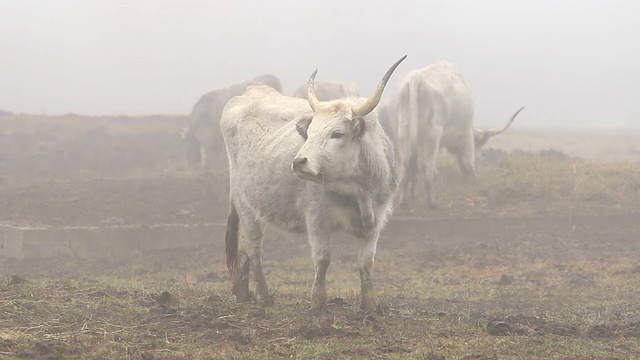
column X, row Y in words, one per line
column 260, row 120
column 442, row 92
column 260, row 136
column 260, row 109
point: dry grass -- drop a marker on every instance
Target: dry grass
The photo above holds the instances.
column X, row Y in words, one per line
column 530, row 297
column 546, row 182
column 598, row 146
column 507, row 293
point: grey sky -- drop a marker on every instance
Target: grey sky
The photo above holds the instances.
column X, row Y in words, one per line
column 571, row 63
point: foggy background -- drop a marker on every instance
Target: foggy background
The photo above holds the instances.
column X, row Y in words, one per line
column 571, row 63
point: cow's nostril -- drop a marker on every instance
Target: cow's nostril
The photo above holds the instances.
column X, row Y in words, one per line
column 298, row 162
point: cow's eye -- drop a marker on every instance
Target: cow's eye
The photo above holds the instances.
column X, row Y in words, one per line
column 336, row 135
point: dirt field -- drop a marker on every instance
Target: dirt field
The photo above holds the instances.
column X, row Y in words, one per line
column 537, row 259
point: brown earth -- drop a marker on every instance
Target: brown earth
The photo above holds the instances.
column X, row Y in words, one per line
column 453, row 289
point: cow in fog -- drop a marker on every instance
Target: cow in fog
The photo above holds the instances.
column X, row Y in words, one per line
column 203, row 135
column 387, row 124
column 433, row 109
column 308, row 167
column 330, row 90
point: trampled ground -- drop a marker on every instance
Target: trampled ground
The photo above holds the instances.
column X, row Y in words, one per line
column 500, row 271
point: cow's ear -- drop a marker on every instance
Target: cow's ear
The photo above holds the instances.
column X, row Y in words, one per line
column 302, row 125
column 357, row 126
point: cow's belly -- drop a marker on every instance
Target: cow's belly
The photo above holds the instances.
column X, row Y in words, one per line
column 284, row 206
column 273, row 200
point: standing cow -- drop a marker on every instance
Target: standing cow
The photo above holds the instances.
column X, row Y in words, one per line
column 203, row 135
column 432, row 108
column 306, row 166
column 330, row 90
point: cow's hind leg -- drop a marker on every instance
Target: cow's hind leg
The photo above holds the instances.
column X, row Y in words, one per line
column 408, row 166
column 366, row 252
column 241, row 278
column 207, row 147
column 252, row 238
column 406, row 129
column 431, row 147
column 236, row 256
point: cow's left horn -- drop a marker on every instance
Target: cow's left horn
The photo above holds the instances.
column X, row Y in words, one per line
column 503, row 128
column 374, row 99
column 311, row 92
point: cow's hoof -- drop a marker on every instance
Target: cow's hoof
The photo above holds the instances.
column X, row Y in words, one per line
column 369, row 303
column 267, row 301
column 245, row 297
column 242, row 293
column 318, row 299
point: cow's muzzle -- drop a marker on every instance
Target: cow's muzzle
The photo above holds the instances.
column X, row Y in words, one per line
column 300, row 167
column 299, row 163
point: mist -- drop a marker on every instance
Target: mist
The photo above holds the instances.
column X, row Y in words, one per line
column 571, row 63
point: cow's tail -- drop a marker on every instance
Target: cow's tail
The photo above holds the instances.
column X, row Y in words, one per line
column 231, row 237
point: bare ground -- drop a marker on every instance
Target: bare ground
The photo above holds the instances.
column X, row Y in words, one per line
column 531, row 287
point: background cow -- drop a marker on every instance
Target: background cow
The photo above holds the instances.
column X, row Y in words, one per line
column 330, row 90
column 432, row 108
column 306, row 167
column 203, row 136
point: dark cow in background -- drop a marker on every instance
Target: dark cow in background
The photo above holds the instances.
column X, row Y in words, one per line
column 203, row 135
column 330, row 90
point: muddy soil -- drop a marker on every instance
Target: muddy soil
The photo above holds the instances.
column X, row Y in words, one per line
column 77, row 173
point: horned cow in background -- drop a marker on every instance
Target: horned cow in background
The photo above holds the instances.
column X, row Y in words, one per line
column 432, row 109
column 306, row 166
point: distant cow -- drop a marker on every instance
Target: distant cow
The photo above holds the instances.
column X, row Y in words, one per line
column 330, row 90
column 388, row 125
column 432, row 108
column 204, row 132
column 306, row 166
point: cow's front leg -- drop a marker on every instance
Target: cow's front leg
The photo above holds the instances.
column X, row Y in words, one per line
column 366, row 252
column 367, row 217
column 320, row 241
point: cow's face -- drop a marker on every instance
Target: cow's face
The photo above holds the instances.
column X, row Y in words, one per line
column 332, row 144
column 333, row 137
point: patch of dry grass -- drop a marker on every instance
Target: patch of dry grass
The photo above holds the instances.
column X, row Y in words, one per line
column 546, row 182
column 517, row 297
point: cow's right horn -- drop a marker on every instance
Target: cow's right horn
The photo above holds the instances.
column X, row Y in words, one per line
column 503, row 128
column 311, row 92
column 374, row 99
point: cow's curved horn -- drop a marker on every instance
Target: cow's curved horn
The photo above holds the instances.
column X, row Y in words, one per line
column 374, row 99
column 503, row 128
column 311, row 92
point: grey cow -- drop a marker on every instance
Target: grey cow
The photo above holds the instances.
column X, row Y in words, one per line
column 432, row 109
column 204, row 132
column 307, row 167
column 330, row 90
